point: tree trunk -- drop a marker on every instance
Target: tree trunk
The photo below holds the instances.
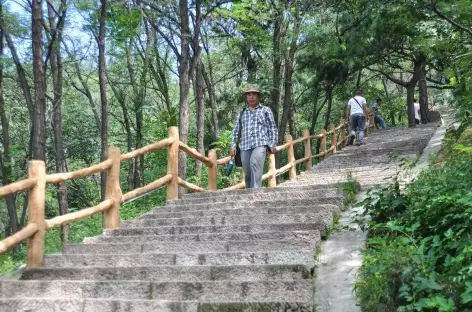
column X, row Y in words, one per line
column 314, row 116
column 57, row 79
column 138, row 111
column 200, row 103
column 288, row 101
column 129, row 134
column 39, row 121
column 25, row 87
column 329, row 98
column 277, row 72
column 359, row 79
column 210, row 85
column 424, row 109
column 410, row 96
column 102, row 67
column 6, row 160
column 184, row 86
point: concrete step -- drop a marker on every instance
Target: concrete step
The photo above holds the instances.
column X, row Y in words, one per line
column 305, row 257
column 242, row 211
column 117, row 305
column 294, row 194
column 206, row 229
column 218, row 291
column 312, row 236
column 324, row 214
column 277, row 189
column 186, row 247
column 336, row 200
column 174, row 273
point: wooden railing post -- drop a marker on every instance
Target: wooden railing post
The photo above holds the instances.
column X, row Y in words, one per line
column 212, row 171
column 334, row 139
column 308, row 163
column 342, row 135
column 292, row 174
column 173, row 165
column 272, row 181
column 367, row 126
column 111, row 216
column 323, row 144
column 36, row 202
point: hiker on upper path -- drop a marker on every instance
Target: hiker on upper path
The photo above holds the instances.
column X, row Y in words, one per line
column 377, row 118
column 356, row 110
column 416, row 107
column 255, row 132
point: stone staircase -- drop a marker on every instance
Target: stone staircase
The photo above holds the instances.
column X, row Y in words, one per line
column 225, row 251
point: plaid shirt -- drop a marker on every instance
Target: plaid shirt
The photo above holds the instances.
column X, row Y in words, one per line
column 258, row 128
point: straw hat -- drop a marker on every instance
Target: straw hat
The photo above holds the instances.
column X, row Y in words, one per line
column 252, row 88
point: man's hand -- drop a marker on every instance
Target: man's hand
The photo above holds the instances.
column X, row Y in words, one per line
column 233, row 152
column 272, row 150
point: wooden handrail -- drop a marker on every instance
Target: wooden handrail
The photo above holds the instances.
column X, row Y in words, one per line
column 282, row 147
column 37, row 179
column 66, row 176
column 15, row 187
column 302, row 160
column 283, row 169
column 299, row 140
column 317, row 136
column 79, row 215
column 146, row 189
column 223, row 161
column 190, row 186
column 29, row 230
column 195, row 154
column 149, row 148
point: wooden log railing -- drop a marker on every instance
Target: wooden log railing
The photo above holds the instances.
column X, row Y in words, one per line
column 35, row 184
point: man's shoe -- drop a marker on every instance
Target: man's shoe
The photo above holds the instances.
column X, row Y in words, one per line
column 351, row 139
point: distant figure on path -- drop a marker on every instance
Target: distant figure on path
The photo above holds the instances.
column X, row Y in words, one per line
column 257, row 132
column 356, row 110
column 416, row 106
column 377, row 118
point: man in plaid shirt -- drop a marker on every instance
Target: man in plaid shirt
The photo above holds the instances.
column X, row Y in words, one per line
column 258, row 135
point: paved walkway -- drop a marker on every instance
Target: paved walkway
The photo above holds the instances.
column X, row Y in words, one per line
column 372, row 165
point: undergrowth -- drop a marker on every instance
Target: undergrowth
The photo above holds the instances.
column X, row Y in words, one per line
column 418, row 255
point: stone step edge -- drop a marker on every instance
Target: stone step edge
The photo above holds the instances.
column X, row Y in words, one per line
column 81, row 305
column 281, row 215
column 155, row 211
column 96, row 239
column 116, row 245
column 177, row 226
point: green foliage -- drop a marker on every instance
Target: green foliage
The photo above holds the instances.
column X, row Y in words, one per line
column 418, row 255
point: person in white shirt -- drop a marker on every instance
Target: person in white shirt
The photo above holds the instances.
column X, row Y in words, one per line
column 416, row 106
column 356, row 111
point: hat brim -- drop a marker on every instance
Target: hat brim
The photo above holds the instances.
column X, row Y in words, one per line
column 252, row 91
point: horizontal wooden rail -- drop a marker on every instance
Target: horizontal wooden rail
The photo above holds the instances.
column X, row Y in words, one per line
column 299, row 140
column 78, row 215
column 282, row 147
column 15, row 187
column 302, row 160
column 11, row 241
column 149, row 148
column 191, row 186
column 195, row 154
column 318, row 155
column 283, row 169
column 223, row 161
column 82, row 173
column 317, row 136
column 146, row 189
